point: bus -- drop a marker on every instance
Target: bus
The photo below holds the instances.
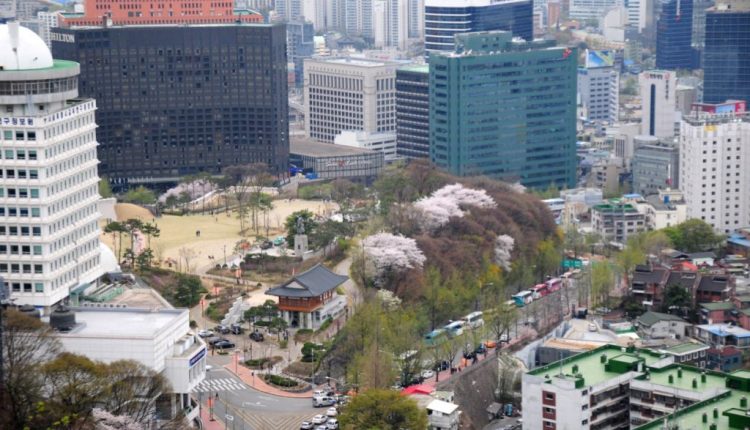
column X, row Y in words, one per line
column 523, row 298
column 474, row 319
column 539, row 291
column 456, row 328
column 435, row 337
column 553, row 285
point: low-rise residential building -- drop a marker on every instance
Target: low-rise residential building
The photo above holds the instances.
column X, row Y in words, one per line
column 691, row 353
column 647, row 285
column 627, row 388
column 662, row 212
column 714, row 288
column 716, row 313
column 160, row 339
column 727, row 359
column 309, row 299
column 657, row 325
column 739, row 242
column 442, row 415
column 723, row 335
column 616, row 220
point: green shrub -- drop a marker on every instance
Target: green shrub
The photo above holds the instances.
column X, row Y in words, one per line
column 325, row 325
column 280, row 381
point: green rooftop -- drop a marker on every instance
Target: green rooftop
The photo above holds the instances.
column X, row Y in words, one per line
column 717, row 306
column 684, row 348
column 421, row 68
column 606, row 207
column 56, row 65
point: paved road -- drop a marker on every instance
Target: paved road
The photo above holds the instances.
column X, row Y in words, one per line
column 251, row 409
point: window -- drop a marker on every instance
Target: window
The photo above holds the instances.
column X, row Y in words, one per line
column 39, row 287
column 37, row 249
column 34, row 193
column 38, row 269
column 35, row 212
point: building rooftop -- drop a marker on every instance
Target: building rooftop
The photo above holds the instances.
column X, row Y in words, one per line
column 686, row 348
column 724, row 330
column 22, row 49
column 313, row 148
column 121, row 322
column 311, row 283
column 421, row 68
column 717, row 306
column 442, row 407
column 350, row 61
column 650, row 318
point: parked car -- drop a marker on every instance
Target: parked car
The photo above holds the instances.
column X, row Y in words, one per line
column 225, row 344
column 442, row 365
column 332, row 424
column 332, row 412
column 266, row 244
column 319, row 419
column 205, row 333
column 237, row 329
column 306, row 425
column 592, row 327
column 213, row 340
column 427, row 374
column 492, row 343
column 222, row 329
column 470, row 355
column 256, row 336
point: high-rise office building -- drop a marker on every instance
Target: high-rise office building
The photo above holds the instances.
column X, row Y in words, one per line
column 49, row 234
column 178, row 100
column 349, row 94
column 504, row 108
column 158, row 12
column 714, row 155
column 640, row 14
column 726, row 62
column 299, row 45
column 289, row 10
column 674, row 36
column 590, row 10
column 446, row 18
column 413, row 111
column 416, row 19
column 699, row 26
column 658, row 103
column 391, row 23
column 599, row 86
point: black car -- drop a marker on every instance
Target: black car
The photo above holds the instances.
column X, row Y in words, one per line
column 443, row 365
column 225, row 344
column 256, row 336
column 470, row 355
column 214, row 340
column 481, row 349
column 266, row 244
column 223, row 329
column 237, row 329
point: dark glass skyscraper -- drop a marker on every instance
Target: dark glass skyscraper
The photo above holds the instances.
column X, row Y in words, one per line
column 413, row 111
column 445, row 18
column 726, row 62
column 177, row 100
column 505, row 109
column 674, row 31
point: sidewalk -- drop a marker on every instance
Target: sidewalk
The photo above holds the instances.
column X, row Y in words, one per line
column 207, row 423
column 256, row 382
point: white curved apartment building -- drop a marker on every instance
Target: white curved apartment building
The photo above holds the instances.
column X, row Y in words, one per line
column 48, row 173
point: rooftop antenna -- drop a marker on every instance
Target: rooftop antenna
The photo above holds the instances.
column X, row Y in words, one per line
column 561, row 363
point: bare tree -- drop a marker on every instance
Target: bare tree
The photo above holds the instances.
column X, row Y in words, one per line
column 188, row 255
column 26, row 342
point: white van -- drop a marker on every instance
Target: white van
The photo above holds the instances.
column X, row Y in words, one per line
column 323, row 401
column 456, row 328
column 474, row 319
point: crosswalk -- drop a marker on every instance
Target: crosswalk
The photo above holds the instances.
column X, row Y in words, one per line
column 219, row 384
column 274, row 421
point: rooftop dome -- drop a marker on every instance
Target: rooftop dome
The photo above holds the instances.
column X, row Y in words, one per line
column 22, row 49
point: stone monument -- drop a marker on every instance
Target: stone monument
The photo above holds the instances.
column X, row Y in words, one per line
column 300, row 238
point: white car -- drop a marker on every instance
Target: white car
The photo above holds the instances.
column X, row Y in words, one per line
column 332, row 424
column 427, row 374
column 592, row 327
column 319, row 419
column 205, row 333
column 332, row 412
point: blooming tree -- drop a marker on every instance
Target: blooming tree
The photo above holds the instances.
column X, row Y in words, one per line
column 107, row 421
column 389, row 253
column 503, row 247
column 194, row 189
column 450, row 201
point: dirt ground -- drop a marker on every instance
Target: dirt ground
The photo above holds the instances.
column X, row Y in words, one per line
column 218, row 233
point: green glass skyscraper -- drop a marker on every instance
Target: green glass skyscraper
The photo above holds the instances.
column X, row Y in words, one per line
column 506, row 109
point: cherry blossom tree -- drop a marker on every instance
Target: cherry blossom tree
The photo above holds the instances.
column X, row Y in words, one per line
column 107, row 421
column 391, row 254
column 451, row 201
column 503, row 247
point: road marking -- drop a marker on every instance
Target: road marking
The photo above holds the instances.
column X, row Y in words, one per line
column 221, row 384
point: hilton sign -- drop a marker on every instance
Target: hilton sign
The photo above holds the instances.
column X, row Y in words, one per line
column 62, row 37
